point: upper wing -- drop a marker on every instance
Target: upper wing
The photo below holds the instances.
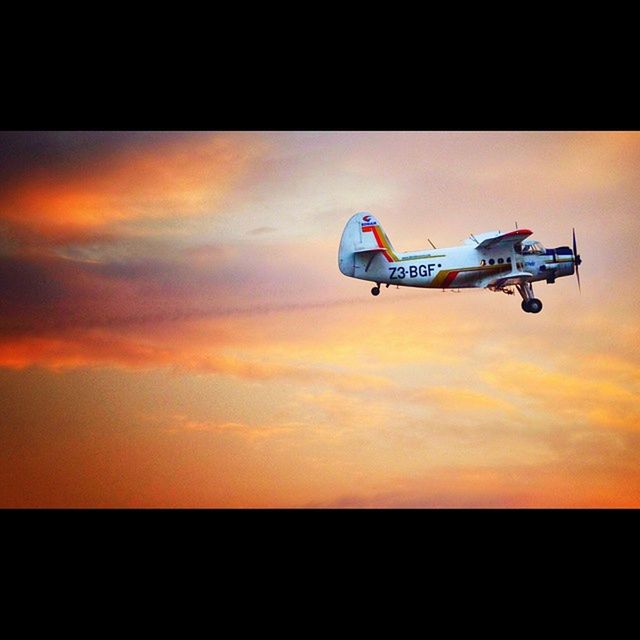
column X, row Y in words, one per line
column 505, row 239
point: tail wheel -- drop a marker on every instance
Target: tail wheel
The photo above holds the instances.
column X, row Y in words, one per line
column 375, row 291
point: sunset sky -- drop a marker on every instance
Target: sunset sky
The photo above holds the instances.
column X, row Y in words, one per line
column 175, row 332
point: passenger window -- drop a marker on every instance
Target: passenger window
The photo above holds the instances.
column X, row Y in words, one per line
column 509, row 260
column 483, row 263
column 500, row 260
column 492, row 261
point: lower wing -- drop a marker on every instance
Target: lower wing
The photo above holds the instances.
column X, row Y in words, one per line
column 517, row 277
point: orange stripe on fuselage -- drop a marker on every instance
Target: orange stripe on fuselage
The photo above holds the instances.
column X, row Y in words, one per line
column 449, row 279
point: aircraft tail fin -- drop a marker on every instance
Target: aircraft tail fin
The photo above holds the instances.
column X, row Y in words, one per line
column 363, row 236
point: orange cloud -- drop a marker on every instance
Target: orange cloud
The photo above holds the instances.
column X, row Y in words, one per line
column 172, row 179
column 539, row 486
column 181, row 424
column 100, row 348
column 85, row 349
column 457, row 399
column 598, row 400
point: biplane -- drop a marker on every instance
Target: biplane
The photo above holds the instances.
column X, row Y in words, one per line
column 493, row 260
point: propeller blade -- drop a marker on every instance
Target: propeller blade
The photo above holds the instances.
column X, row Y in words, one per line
column 576, row 259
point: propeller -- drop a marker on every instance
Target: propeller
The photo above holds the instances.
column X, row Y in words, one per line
column 576, row 259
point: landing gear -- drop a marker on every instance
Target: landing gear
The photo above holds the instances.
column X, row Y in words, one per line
column 532, row 305
column 529, row 303
column 375, row 291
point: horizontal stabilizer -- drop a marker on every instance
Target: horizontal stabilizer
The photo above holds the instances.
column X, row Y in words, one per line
column 361, row 249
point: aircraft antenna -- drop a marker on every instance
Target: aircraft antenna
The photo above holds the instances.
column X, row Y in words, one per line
column 473, row 238
column 431, row 243
column 516, row 224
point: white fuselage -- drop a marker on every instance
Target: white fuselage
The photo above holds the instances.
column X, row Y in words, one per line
column 456, row 267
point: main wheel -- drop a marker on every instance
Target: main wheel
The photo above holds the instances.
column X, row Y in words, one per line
column 535, row 305
column 375, row 291
column 532, row 305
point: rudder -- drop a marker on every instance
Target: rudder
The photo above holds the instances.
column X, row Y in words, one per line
column 362, row 234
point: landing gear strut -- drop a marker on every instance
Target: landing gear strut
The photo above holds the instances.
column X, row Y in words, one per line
column 529, row 303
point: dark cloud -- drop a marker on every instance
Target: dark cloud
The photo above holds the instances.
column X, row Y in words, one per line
column 28, row 283
column 45, row 294
column 24, row 152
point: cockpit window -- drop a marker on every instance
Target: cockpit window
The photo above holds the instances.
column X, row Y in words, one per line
column 533, row 247
column 538, row 248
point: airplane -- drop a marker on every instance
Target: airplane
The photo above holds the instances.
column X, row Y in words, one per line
column 492, row 260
